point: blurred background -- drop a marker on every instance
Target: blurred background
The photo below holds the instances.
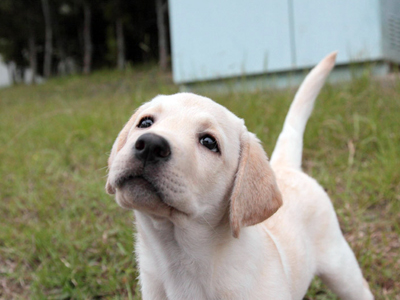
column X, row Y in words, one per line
column 73, row 71
column 42, row 39
column 202, row 40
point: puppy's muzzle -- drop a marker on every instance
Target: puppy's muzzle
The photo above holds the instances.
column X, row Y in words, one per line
column 152, row 148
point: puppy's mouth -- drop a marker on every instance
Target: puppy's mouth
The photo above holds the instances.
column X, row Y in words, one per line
column 140, row 186
column 130, row 179
column 138, row 180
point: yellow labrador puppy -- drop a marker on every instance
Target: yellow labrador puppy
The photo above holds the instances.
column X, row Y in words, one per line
column 215, row 219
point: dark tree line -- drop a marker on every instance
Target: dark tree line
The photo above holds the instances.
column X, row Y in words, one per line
column 54, row 37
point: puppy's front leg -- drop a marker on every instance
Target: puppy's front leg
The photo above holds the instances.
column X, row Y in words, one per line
column 152, row 287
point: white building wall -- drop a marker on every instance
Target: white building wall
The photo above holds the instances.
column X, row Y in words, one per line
column 213, row 39
column 224, row 38
column 353, row 28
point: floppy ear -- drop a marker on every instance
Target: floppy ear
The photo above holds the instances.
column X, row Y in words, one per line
column 255, row 196
column 118, row 144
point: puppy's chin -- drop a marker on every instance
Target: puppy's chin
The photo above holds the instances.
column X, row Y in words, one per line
column 137, row 193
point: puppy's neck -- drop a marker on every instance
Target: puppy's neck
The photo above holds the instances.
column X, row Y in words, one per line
column 199, row 237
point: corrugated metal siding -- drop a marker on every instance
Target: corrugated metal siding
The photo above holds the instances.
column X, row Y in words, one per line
column 391, row 29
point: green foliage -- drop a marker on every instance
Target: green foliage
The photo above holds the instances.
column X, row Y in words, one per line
column 111, row 55
column 62, row 237
column 21, row 19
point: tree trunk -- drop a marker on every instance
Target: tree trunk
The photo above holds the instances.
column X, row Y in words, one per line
column 48, row 49
column 62, row 68
column 32, row 57
column 87, row 42
column 120, row 44
column 12, row 72
column 162, row 34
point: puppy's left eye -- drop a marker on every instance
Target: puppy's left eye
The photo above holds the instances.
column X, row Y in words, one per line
column 209, row 142
column 145, row 122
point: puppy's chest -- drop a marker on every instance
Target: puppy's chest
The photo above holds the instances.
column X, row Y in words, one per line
column 188, row 285
column 186, row 277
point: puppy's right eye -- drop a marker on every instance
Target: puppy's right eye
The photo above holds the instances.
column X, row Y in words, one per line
column 145, row 122
column 209, row 142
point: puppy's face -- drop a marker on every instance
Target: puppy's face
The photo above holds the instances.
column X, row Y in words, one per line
column 179, row 156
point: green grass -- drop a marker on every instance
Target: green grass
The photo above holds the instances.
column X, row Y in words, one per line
column 62, row 237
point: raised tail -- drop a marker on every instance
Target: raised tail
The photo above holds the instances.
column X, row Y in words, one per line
column 289, row 148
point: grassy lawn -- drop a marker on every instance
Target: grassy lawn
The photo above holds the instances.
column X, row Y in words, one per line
column 62, row 237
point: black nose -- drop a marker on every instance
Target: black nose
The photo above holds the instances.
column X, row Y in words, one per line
column 152, row 148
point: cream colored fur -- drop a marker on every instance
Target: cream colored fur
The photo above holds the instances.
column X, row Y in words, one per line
column 229, row 225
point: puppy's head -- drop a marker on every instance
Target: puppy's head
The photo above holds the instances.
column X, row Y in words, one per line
column 186, row 156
